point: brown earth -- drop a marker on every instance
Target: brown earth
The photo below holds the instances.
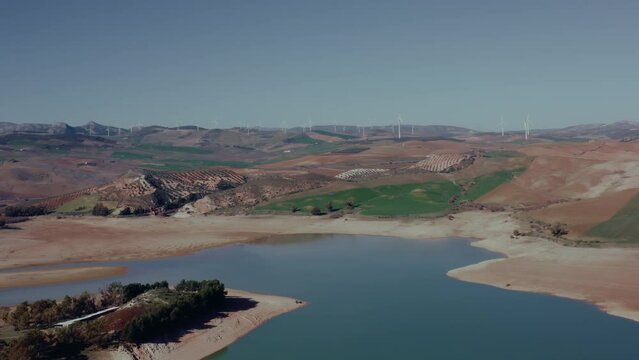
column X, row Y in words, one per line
column 583, row 214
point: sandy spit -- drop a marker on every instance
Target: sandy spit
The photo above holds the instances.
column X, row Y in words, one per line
column 214, row 336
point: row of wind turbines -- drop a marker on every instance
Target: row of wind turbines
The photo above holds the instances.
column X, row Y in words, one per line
column 308, row 127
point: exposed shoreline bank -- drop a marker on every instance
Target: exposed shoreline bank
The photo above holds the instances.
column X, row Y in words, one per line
column 604, row 276
column 17, row 279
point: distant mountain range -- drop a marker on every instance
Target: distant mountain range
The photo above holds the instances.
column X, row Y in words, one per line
column 617, row 130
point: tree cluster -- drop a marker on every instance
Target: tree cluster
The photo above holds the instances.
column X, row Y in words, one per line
column 137, row 211
column 195, row 298
column 100, row 210
column 45, row 313
column 191, row 299
column 17, row 211
column 61, row 343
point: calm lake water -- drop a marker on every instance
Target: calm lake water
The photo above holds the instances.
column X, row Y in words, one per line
column 384, row 298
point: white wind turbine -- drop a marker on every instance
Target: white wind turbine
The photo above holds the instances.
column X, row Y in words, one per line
column 399, row 126
column 527, row 127
column 501, row 122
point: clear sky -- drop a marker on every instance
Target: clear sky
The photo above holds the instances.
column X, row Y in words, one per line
column 450, row 62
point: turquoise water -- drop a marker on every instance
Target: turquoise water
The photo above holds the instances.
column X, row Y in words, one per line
column 385, row 298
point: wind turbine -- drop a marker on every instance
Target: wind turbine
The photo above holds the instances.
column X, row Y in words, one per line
column 501, row 122
column 399, row 126
column 526, row 127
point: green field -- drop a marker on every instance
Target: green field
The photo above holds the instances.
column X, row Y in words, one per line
column 172, row 148
column 503, row 154
column 127, row 155
column 81, row 205
column 428, row 198
column 341, row 136
column 621, row 227
column 192, row 164
column 484, row 184
column 386, row 200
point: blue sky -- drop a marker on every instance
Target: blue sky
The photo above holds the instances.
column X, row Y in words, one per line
column 462, row 63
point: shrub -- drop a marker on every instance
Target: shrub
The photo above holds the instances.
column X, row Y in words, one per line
column 3, row 222
column 329, row 206
column 100, row 210
column 558, row 229
column 294, row 208
column 126, row 211
column 32, row 345
column 316, row 211
column 350, row 204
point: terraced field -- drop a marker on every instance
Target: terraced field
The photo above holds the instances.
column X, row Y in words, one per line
column 146, row 190
column 357, row 174
column 444, row 162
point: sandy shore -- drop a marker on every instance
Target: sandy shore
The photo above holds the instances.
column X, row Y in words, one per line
column 605, row 277
column 57, row 276
column 215, row 335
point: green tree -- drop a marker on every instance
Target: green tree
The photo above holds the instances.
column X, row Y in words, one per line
column 112, row 295
column 316, row 211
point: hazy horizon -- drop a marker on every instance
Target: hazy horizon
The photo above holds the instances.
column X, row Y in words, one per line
column 458, row 63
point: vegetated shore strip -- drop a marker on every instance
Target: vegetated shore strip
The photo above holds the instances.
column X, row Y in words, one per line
column 215, row 335
column 605, row 277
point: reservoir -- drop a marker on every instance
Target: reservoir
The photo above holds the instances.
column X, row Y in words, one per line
column 382, row 298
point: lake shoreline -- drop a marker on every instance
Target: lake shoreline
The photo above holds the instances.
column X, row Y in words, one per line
column 602, row 276
column 216, row 334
